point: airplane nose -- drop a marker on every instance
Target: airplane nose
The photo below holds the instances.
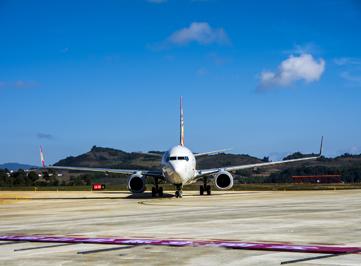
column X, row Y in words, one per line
column 177, row 169
column 174, row 167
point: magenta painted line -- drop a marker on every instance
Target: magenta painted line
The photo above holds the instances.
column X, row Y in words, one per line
column 184, row 243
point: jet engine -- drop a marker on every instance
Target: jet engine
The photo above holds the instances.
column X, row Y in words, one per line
column 223, row 180
column 136, row 183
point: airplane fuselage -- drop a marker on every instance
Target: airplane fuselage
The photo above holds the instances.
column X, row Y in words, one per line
column 179, row 165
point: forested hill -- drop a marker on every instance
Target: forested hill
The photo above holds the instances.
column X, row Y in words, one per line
column 112, row 158
column 15, row 166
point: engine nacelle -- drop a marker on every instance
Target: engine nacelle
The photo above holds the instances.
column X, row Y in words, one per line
column 136, row 183
column 223, row 180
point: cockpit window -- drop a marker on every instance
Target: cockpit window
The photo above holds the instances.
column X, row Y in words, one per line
column 180, row 158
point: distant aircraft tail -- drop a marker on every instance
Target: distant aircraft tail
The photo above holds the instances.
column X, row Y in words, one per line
column 42, row 157
column 321, row 147
column 181, row 141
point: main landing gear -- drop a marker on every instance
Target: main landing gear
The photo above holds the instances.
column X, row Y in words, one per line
column 157, row 190
column 205, row 188
column 178, row 192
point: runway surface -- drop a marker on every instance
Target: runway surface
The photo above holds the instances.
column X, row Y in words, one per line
column 326, row 218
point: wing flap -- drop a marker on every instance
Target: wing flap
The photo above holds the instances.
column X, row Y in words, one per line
column 248, row 166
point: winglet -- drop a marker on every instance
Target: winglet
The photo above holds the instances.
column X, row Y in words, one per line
column 42, row 157
column 321, row 147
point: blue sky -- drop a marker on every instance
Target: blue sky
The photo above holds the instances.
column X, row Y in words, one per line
column 264, row 77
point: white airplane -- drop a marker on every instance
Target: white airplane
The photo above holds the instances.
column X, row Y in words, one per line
column 178, row 167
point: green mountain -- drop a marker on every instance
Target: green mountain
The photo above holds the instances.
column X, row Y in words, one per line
column 16, row 166
column 112, row 158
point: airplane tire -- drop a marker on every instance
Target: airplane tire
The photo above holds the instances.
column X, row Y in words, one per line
column 160, row 192
column 208, row 189
column 154, row 192
column 179, row 194
column 201, row 190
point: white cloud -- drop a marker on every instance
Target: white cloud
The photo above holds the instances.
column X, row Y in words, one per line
column 307, row 48
column 199, row 32
column 294, row 68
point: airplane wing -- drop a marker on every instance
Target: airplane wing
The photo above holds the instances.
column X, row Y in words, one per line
column 105, row 170
column 150, row 154
column 210, row 152
column 108, row 170
column 248, row 166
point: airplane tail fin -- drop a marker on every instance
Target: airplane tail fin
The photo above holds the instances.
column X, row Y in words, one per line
column 181, row 141
column 42, row 157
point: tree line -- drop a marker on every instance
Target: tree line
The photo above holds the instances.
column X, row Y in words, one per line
column 23, row 179
column 348, row 174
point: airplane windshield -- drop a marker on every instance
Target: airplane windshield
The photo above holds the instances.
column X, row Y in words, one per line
column 181, row 158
